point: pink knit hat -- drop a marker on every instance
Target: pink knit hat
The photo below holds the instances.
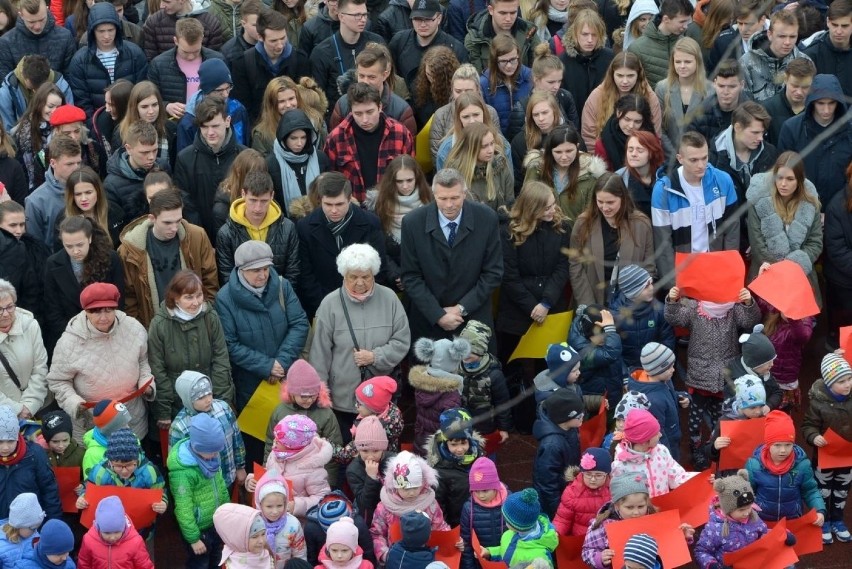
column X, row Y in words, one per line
column 302, row 379
column 640, row 426
column 343, row 532
column 376, row 393
column 292, row 434
column 483, row 475
column 370, row 434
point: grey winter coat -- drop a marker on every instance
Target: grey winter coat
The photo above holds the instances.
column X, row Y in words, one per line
column 763, row 71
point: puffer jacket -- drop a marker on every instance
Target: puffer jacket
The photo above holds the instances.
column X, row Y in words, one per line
column 165, row 73
column 365, row 490
column 86, row 73
column 579, row 504
column 664, row 407
column 503, row 99
column 486, row 521
column 12, row 554
column 123, row 184
column 23, row 349
column 453, row 484
column 654, row 50
column 639, row 323
column 710, row 120
column 826, row 412
column 761, row 69
column 89, row 365
column 196, row 496
column 714, row 340
column 31, row 474
column 128, row 552
column 159, row 32
column 789, row 341
column 228, row 15
column 591, row 168
column 662, row 472
column 781, row 496
column 480, row 33
column 395, row 18
column 260, row 331
column 175, row 345
column 528, row 548
column 141, row 295
column 723, row 535
column 54, row 42
column 14, row 98
column 831, row 59
column 317, row 28
column 583, row 72
column 557, row 450
column 145, row 476
column 432, row 395
column 600, row 366
column 306, row 472
column 737, row 368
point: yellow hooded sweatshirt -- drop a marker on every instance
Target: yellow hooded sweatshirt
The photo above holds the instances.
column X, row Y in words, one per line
column 238, row 214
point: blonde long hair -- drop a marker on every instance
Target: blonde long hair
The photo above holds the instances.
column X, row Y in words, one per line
column 464, row 155
column 690, row 47
column 528, row 208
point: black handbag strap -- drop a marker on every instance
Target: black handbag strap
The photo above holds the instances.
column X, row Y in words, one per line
column 363, row 370
column 11, row 373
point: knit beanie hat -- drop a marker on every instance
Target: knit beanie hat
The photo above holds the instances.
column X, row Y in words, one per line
column 292, row 434
column 561, row 359
column 408, row 472
column 376, row 393
column 343, row 532
column 54, row 423
column 191, row 386
column 779, row 428
column 257, row 526
column 522, row 509
column 206, row 434
column 200, row 388
column 483, row 475
column 833, row 368
column 55, row 538
column 632, row 279
column 333, row 507
column 444, row 356
column 10, row 429
column 564, row 405
column 25, row 511
column 122, row 446
column 272, row 487
column 109, row 516
column 627, row 483
column 370, row 434
column 596, row 460
column 642, row 549
column 757, row 349
column 416, row 528
column 110, row 416
column 749, row 392
column 630, row 401
column 656, row 358
column 734, row 491
column 590, row 319
column 455, row 423
column 303, row 379
column 640, row 427
column 479, row 335
column 211, row 74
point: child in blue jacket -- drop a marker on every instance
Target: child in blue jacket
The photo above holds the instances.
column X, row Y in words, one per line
column 21, row 529
column 482, row 513
column 595, row 338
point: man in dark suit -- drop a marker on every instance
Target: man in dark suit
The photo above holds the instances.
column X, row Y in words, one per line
column 451, row 260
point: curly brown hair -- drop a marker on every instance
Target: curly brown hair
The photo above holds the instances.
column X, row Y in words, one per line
column 442, row 63
column 97, row 264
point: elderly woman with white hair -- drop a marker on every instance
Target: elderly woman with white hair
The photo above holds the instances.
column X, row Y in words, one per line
column 361, row 331
column 23, row 359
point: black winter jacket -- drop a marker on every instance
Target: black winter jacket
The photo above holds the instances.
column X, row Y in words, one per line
column 736, row 368
column 583, row 72
column 89, row 77
column 16, row 267
column 331, row 58
column 395, row 18
column 366, row 490
column 517, row 118
column 453, row 478
column 251, row 75
column 780, row 110
column 165, row 73
column 123, row 184
column 711, row 119
column 719, row 51
column 407, row 52
column 830, row 60
column 31, row 474
column 837, row 240
column 234, row 48
column 159, row 32
column 557, row 450
column 317, row 28
column 612, row 17
column 281, row 236
column 54, row 42
column 13, row 177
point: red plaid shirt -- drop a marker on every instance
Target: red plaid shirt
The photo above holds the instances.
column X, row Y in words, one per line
column 340, row 147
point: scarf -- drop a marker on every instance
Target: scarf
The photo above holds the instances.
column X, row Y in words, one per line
column 208, row 468
column 289, row 182
column 404, row 204
column 398, row 507
column 614, row 142
column 472, row 368
column 18, row 455
column 101, row 438
column 465, row 459
column 338, row 227
column 182, row 314
column 776, row 469
column 359, row 298
column 836, row 396
column 714, row 310
column 243, row 559
column 274, row 528
column 498, row 500
column 555, row 15
column 257, row 291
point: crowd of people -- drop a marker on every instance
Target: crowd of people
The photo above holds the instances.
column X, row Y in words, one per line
column 363, row 200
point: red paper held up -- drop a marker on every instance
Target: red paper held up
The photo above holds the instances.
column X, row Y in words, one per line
column 137, row 503
column 716, row 277
column 846, row 342
column 837, row 453
column 664, row 527
column 691, row 499
column 68, row 478
column 569, row 553
column 487, row 563
column 592, row 431
column 808, row 536
column 785, row 286
column 446, row 541
column 746, row 435
column 768, row 552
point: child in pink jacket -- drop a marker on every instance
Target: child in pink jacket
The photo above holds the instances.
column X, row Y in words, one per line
column 639, row 452
column 586, row 493
column 409, row 485
column 300, row 456
column 112, row 541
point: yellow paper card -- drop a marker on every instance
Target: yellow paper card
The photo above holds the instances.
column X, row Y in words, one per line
column 553, row 330
column 255, row 416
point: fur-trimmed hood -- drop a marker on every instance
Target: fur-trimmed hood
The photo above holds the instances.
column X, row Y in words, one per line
column 571, row 473
column 323, row 399
column 430, row 475
column 433, row 455
column 419, row 378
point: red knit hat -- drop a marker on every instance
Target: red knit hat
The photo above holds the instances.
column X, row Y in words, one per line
column 779, row 428
column 67, row 114
column 376, row 393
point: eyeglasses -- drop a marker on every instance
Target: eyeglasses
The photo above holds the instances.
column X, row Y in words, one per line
column 508, row 62
column 100, row 311
column 361, row 16
column 594, row 475
column 424, row 20
column 124, row 466
column 7, row 309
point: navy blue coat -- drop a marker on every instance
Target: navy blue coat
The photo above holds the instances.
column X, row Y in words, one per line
column 600, row 366
column 638, row 324
column 489, row 525
column 31, row 474
column 557, row 450
column 88, row 76
column 502, row 99
column 783, row 496
column 664, row 407
column 400, row 557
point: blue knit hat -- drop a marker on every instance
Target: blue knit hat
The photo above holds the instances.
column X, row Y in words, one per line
column 561, row 359
column 122, row 446
column 333, row 507
column 206, row 434
column 641, row 549
column 56, row 538
column 456, row 424
column 416, row 528
column 212, row 73
column 522, row 509
column 596, row 460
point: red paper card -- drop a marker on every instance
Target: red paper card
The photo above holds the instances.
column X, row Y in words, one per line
column 68, row 478
column 846, row 342
column 394, row 533
column 137, row 503
column 487, row 563
column 746, row 435
column 664, row 527
column 768, row 552
column 785, row 286
column 717, row 277
column 691, row 499
column 446, row 541
column 808, row 536
column 836, row 454
column 592, row 431
column 569, row 553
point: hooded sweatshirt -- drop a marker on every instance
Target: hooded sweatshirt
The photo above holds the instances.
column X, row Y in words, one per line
column 639, row 8
column 233, row 524
column 295, row 172
column 238, row 214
